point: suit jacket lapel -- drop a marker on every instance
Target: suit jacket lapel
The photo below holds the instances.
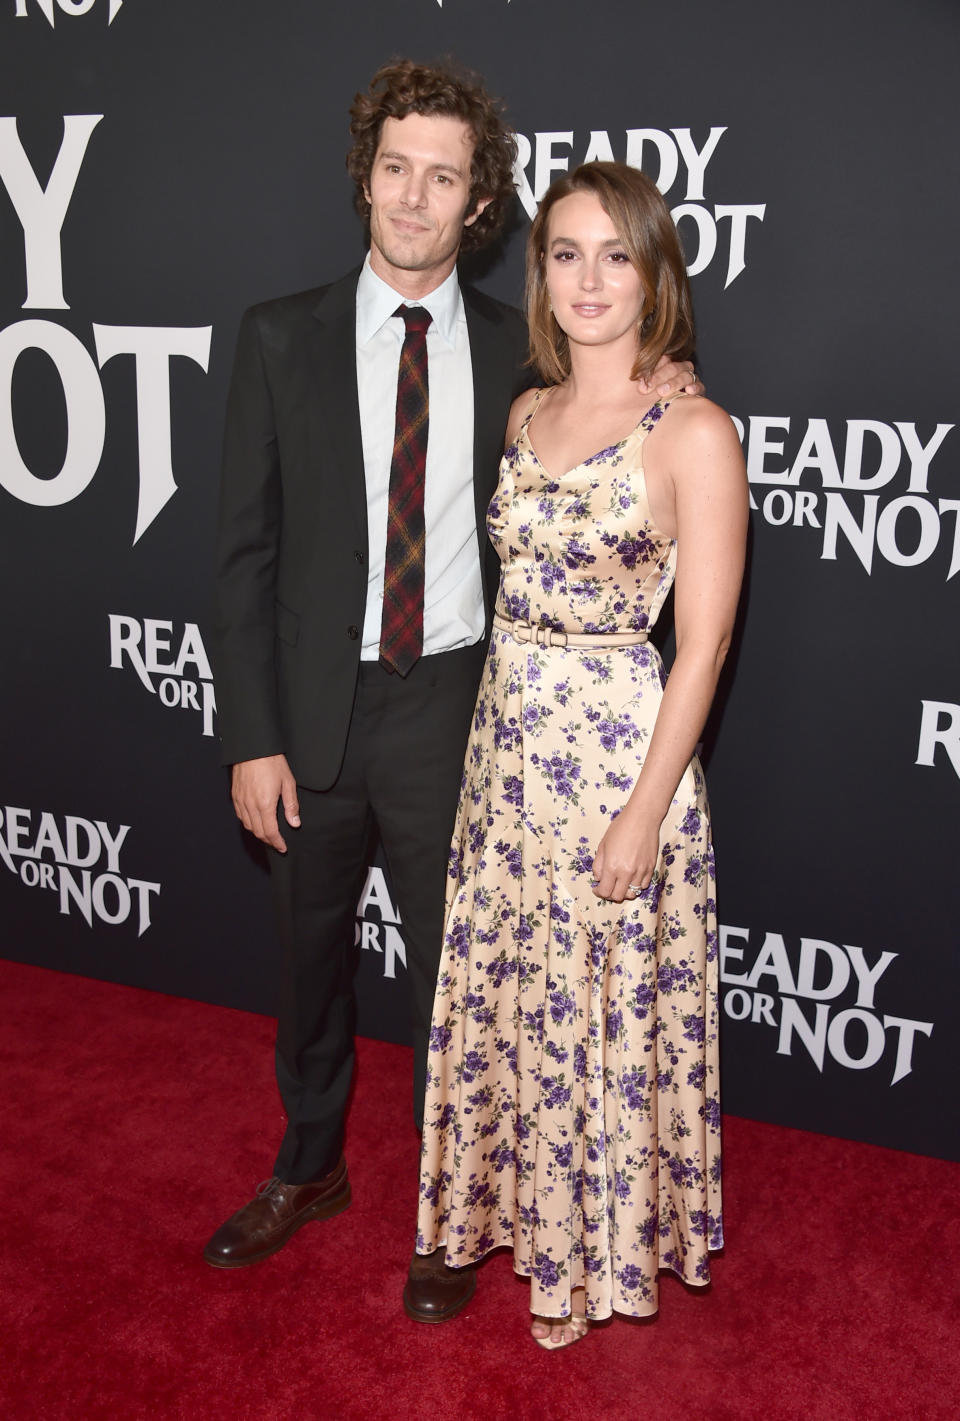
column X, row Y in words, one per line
column 333, row 341
column 491, row 380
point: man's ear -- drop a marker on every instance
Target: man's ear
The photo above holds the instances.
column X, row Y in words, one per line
column 366, row 193
column 484, row 202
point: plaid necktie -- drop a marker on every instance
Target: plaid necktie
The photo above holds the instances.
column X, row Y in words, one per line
column 401, row 631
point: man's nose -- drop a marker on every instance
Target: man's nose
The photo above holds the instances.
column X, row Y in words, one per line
column 414, row 191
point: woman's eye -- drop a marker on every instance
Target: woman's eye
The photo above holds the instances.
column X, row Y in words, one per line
column 563, row 256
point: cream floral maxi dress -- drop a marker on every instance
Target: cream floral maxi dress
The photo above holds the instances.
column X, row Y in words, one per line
column 572, row 1104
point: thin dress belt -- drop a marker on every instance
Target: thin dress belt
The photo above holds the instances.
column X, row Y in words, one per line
column 524, row 632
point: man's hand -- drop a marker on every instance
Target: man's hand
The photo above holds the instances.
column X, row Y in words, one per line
column 257, row 786
column 671, row 376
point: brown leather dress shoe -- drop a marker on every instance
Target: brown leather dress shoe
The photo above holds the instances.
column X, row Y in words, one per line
column 274, row 1215
column 434, row 1292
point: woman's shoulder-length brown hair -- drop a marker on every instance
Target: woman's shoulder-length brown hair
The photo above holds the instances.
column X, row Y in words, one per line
column 644, row 225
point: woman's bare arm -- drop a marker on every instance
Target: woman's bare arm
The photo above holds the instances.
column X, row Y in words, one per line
column 700, row 457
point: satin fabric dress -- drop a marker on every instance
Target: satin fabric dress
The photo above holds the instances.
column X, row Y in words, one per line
column 572, row 1108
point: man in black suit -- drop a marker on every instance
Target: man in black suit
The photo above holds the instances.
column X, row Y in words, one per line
column 330, row 731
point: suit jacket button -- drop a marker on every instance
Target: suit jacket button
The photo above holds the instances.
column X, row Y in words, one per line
column 358, row 554
column 353, row 633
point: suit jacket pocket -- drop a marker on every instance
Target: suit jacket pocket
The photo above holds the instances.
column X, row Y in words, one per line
column 287, row 624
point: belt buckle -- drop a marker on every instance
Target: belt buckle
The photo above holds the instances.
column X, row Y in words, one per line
column 524, row 633
column 547, row 636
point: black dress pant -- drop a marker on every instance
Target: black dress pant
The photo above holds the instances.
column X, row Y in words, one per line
column 400, row 776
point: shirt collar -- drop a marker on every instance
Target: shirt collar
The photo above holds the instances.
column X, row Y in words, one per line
column 376, row 303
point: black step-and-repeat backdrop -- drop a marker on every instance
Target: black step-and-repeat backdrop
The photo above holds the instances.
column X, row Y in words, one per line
column 163, row 165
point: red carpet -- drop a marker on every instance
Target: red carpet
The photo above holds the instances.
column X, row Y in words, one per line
column 837, row 1297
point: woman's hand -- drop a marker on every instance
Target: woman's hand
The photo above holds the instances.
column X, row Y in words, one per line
column 626, row 857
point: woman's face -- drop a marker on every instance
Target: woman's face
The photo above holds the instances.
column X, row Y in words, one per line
column 594, row 289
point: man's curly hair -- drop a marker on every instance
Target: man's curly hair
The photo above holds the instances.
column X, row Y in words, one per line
column 403, row 87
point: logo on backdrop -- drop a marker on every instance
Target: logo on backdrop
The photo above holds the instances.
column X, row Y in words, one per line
column 49, row 8
column 78, row 860
column 41, row 212
column 871, row 495
column 171, row 664
column 714, row 231
column 939, row 735
column 768, row 984
column 381, row 933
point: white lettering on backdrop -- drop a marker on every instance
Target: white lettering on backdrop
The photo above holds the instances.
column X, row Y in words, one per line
column 851, row 470
column 659, row 154
column 767, row 985
column 41, row 212
column 49, row 8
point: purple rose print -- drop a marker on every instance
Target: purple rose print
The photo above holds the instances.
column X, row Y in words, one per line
column 502, row 1157
column 631, row 1277
column 473, row 1065
column 546, row 1271
column 554, row 1092
column 500, row 970
column 576, row 554
column 511, row 856
column 562, row 1005
column 632, row 550
column 694, row 1028
column 633, row 1087
column 603, row 456
column 458, row 939
column 516, row 608
column 440, row 1037
column 643, row 998
column 513, row 790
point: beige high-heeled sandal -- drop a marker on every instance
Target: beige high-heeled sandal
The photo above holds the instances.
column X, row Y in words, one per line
column 577, row 1320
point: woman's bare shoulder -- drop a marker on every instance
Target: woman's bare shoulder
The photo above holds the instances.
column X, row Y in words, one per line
column 695, row 426
column 697, row 417
column 696, row 447
column 519, row 410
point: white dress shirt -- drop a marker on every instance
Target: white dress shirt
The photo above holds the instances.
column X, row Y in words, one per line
column 453, row 612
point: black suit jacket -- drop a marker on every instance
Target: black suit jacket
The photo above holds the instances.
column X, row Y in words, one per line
column 292, row 553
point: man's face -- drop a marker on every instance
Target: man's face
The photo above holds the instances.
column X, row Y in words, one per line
column 418, row 192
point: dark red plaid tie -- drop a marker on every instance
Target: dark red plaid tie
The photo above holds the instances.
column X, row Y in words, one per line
column 401, row 631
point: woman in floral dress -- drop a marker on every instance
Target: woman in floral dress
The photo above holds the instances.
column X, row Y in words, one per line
column 572, row 1105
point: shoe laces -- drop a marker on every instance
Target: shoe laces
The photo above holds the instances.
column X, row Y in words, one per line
column 269, row 1187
